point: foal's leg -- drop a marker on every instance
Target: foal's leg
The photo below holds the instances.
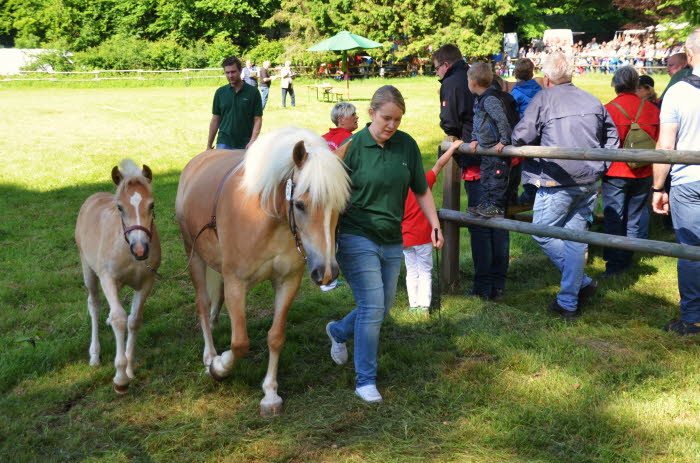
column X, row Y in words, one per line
column 134, row 322
column 198, row 275
column 117, row 318
column 285, row 290
column 235, row 292
column 215, row 289
column 91, row 282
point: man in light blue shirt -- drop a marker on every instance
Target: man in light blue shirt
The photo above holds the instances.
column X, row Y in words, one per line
column 680, row 129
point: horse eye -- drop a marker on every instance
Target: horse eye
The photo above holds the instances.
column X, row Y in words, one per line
column 300, row 206
column 151, row 206
column 121, row 209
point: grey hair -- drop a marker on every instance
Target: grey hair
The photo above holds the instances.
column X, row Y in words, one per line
column 557, row 67
column 693, row 42
column 342, row 109
column 625, row 80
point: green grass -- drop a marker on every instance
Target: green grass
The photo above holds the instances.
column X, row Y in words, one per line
column 484, row 382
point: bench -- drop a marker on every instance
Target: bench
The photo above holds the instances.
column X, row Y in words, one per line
column 335, row 95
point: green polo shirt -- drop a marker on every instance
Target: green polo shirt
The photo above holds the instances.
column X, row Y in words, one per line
column 237, row 111
column 380, row 180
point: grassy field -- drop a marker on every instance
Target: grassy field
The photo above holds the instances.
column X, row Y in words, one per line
column 484, row 382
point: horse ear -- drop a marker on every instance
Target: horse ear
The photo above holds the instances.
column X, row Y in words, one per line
column 299, row 154
column 343, row 150
column 116, row 175
column 146, row 172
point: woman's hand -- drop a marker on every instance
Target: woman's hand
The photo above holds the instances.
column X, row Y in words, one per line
column 436, row 237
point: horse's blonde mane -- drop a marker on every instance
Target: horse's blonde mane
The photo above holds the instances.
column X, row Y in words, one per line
column 269, row 162
column 131, row 173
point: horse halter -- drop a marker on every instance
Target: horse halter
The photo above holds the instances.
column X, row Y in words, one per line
column 148, row 232
column 289, row 194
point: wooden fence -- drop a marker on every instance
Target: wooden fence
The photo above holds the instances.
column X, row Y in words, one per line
column 452, row 218
column 356, row 72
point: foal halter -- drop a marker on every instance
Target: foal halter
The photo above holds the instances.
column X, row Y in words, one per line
column 148, row 232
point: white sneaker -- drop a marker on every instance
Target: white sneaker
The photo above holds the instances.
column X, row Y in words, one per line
column 369, row 393
column 339, row 353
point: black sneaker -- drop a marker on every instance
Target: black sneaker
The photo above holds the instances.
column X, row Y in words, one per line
column 496, row 294
column 490, row 211
column 682, row 328
column 474, row 210
column 474, row 293
column 586, row 293
column 554, row 307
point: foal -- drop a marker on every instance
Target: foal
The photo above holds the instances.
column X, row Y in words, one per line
column 117, row 237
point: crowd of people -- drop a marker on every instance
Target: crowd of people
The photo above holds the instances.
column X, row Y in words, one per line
column 645, row 54
column 392, row 215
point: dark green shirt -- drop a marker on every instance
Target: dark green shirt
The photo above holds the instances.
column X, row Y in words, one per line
column 380, row 180
column 237, row 111
column 677, row 77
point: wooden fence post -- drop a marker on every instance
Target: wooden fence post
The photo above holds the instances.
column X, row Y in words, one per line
column 450, row 200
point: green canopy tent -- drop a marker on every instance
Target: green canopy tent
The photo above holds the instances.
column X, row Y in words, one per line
column 344, row 41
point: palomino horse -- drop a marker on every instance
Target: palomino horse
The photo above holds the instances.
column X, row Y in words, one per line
column 268, row 210
column 117, row 236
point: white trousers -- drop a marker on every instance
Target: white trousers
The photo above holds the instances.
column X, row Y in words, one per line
column 419, row 265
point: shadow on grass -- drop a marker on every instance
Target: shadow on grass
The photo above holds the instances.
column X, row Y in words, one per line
column 484, row 381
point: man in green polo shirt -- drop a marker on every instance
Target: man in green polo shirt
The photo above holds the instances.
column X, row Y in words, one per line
column 236, row 112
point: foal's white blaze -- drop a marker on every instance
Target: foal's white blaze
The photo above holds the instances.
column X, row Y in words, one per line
column 135, row 200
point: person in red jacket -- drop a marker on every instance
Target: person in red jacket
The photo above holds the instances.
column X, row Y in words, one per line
column 626, row 189
column 417, row 242
column 344, row 116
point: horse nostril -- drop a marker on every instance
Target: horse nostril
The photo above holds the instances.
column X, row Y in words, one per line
column 317, row 275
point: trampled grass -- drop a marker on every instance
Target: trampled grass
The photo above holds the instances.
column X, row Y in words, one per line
column 483, row 382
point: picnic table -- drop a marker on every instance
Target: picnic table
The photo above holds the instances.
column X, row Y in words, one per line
column 325, row 88
column 326, row 92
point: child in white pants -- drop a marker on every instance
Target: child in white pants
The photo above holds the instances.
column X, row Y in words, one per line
column 418, row 248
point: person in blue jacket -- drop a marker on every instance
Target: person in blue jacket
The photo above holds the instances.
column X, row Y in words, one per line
column 526, row 87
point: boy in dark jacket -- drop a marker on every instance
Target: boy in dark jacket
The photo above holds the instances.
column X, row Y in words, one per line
column 491, row 130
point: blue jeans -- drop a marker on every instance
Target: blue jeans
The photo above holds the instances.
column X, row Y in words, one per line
column 567, row 207
column 289, row 90
column 626, row 213
column 685, row 207
column 372, row 271
column 224, row 146
column 263, row 94
column 490, row 248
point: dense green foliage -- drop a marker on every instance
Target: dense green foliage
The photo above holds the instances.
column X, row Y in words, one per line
column 197, row 33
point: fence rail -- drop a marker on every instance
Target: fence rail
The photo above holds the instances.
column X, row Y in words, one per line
column 356, row 72
column 452, row 218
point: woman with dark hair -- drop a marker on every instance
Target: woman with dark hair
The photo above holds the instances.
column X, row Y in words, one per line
column 384, row 163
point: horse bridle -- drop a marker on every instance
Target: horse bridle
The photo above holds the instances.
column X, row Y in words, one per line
column 289, row 195
column 148, row 232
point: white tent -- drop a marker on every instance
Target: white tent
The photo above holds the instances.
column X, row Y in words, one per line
column 13, row 59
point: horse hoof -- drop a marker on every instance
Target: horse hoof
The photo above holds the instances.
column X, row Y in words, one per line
column 121, row 390
column 214, row 375
column 268, row 411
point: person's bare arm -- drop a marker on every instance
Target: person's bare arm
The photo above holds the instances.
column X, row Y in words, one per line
column 257, row 124
column 213, row 128
column 667, row 141
column 445, row 158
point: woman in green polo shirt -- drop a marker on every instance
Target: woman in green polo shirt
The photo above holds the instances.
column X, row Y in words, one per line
column 384, row 163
